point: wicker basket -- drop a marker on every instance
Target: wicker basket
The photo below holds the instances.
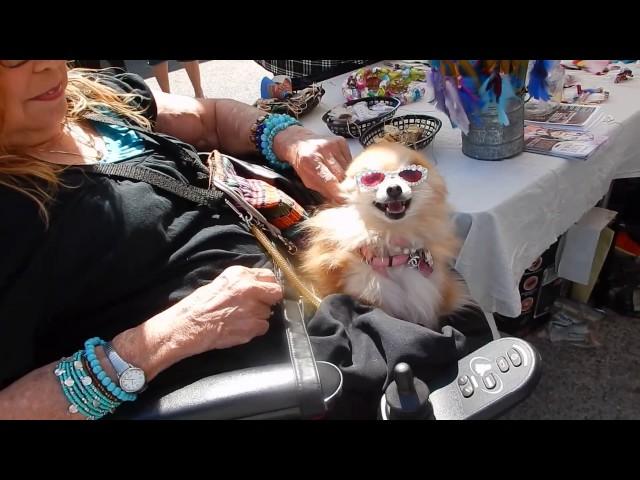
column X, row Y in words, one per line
column 429, row 126
column 356, row 129
column 294, row 106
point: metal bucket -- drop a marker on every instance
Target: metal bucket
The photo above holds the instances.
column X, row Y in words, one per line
column 489, row 140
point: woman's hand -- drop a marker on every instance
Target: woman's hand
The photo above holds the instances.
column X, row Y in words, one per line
column 319, row 161
column 230, row 311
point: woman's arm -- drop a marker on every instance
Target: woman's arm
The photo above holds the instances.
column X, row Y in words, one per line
column 208, row 123
column 320, row 161
column 38, row 395
column 230, row 311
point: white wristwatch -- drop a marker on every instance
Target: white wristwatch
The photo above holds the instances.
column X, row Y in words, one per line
column 131, row 379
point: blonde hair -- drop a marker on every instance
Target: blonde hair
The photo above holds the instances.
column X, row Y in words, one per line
column 39, row 180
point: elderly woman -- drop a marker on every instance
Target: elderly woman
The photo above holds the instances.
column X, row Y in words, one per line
column 129, row 277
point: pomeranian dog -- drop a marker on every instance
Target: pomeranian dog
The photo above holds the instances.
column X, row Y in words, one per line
column 392, row 243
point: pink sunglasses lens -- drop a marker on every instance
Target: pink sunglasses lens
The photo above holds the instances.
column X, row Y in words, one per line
column 372, row 179
column 410, row 176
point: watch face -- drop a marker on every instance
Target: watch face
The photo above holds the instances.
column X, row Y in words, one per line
column 132, row 380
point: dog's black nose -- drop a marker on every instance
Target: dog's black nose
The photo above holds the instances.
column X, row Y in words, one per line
column 394, row 191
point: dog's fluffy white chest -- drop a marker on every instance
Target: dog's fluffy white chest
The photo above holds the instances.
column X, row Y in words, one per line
column 403, row 292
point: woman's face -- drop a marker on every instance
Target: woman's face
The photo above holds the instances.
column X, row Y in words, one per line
column 32, row 102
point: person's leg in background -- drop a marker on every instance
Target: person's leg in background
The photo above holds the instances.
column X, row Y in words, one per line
column 160, row 70
column 193, row 70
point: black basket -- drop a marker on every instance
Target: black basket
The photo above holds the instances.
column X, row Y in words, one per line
column 429, row 125
column 356, row 129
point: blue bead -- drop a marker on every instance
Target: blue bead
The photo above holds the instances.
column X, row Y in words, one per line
column 111, row 387
column 117, row 391
column 106, row 381
column 101, row 375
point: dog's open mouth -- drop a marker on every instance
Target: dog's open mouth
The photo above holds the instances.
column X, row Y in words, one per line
column 394, row 209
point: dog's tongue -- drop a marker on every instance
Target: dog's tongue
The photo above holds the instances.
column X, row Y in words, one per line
column 395, row 207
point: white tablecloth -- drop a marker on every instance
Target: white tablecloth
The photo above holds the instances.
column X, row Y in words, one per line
column 509, row 212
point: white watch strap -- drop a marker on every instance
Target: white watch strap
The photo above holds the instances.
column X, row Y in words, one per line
column 117, row 362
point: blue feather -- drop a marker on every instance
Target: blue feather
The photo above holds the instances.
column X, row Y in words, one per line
column 486, row 96
column 507, row 94
column 538, row 79
column 469, row 99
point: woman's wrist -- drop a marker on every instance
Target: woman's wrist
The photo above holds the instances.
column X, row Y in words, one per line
column 148, row 346
column 270, row 129
column 89, row 381
column 284, row 142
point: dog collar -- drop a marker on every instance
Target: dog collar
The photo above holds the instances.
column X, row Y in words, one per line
column 420, row 259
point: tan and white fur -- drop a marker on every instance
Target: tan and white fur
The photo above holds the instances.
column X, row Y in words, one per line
column 333, row 261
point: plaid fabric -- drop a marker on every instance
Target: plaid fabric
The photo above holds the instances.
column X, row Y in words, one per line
column 305, row 72
column 304, row 68
column 278, row 207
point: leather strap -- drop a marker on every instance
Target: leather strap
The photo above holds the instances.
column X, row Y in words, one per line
column 200, row 196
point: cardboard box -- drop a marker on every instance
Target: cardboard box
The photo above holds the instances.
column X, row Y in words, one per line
column 579, row 247
column 582, row 293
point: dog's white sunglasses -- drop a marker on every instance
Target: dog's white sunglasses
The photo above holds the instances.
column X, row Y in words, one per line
column 412, row 174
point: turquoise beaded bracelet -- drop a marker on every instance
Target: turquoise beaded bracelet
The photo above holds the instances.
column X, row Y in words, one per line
column 98, row 399
column 78, row 388
column 90, row 349
column 274, row 124
column 76, row 405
